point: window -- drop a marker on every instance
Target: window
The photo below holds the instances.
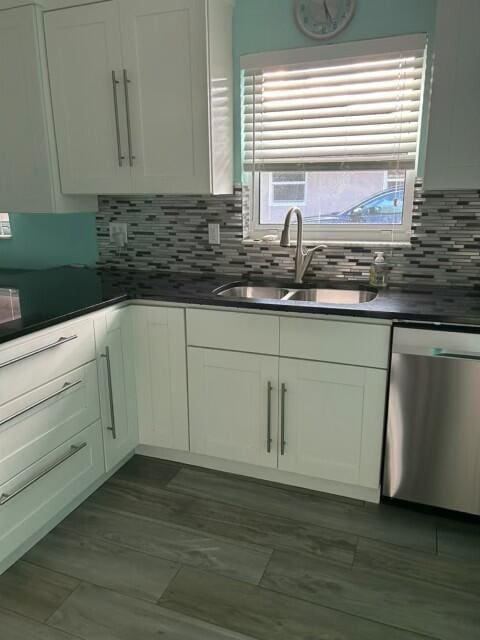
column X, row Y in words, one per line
column 334, row 130
column 5, row 229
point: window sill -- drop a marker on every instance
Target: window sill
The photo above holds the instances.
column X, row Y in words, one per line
column 331, row 243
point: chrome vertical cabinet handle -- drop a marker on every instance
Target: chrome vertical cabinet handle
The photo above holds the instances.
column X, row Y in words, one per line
column 282, row 419
column 126, row 82
column 113, row 427
column 115, row 84
column 269, row 416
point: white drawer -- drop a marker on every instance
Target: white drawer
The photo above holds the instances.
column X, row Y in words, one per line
column 29, row 501
column 233, row 331
column 36, row 423
column 367, row 345
column 31, row 361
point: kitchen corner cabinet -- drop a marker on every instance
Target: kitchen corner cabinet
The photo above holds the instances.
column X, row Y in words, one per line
column 142, row 95
column 453, row 158
column 233, row 405
column 114, row 343
column 161, row 376
column 29, row 178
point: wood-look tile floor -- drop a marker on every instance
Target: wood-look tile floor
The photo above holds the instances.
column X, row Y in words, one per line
column 172, row 552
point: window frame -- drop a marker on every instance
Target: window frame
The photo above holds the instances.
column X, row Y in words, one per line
column 343, row 233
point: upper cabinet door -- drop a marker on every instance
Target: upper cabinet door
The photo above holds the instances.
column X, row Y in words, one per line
column 84, row 50
column 165, row 60
column 453, row 157
column 24, row 164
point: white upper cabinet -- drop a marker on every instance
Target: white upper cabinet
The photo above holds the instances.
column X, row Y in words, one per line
column 453, row 156
column 84, row 58
column 142, row 96
column 29, row 180
column 167, row 93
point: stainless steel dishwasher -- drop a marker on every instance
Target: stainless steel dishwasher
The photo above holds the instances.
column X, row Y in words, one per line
column 432, row 453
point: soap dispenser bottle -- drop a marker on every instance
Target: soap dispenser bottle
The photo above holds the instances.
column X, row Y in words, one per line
column 379, row 271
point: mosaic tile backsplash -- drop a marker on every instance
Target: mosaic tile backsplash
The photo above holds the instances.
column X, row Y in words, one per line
column 170, row 233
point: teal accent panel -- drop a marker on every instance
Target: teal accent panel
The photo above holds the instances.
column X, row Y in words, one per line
column 43, row 240
column 269, row 25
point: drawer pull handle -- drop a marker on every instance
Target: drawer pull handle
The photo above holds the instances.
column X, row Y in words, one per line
column 74, row 449
column 58, row 343
column 66, row 387
column 113, row 428
column 269, row 417
column 282, row 420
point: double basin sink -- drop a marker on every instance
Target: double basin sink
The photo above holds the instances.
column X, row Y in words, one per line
column 319, row 295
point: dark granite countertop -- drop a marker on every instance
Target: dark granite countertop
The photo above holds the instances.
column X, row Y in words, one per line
column 56, row 295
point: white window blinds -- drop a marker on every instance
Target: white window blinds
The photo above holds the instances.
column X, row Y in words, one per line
column 355, row 112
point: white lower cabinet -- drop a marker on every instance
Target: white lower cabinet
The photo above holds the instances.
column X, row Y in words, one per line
column 233, row 404
column 161, row 376
column 331, row 421
column 317, row 398
column 113, row 334
column 37, row 495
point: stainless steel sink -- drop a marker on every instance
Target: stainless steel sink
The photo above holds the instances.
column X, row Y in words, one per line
column 333, row 296
column 321, row 295
column 254, row 293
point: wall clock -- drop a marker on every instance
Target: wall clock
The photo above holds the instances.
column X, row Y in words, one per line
column 324, row 19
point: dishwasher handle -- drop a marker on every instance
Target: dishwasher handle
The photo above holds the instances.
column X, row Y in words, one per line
column 464, row 355
column 435, row 352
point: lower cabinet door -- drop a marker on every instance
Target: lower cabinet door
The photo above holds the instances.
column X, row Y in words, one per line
column 233, row 401
column 331, row 421
column 117, row 385
column 161, row 376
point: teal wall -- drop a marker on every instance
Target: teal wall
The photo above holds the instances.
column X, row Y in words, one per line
column 41, row 240
column 269, row 25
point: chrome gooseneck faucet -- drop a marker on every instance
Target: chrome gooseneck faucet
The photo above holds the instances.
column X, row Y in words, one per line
column 303, row 257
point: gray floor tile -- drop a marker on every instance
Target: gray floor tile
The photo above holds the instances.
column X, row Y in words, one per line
column 262, row 528
column 15, row 627
column 143, row 501
column 93, row 613
column 381, row 522
column 394, row 600
column 459, row 539
column 443, row 570
column 266, row 615
column 104, row 563
column 33, row 591
column 243, row 525
column 171, row 542
column 148, row 471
